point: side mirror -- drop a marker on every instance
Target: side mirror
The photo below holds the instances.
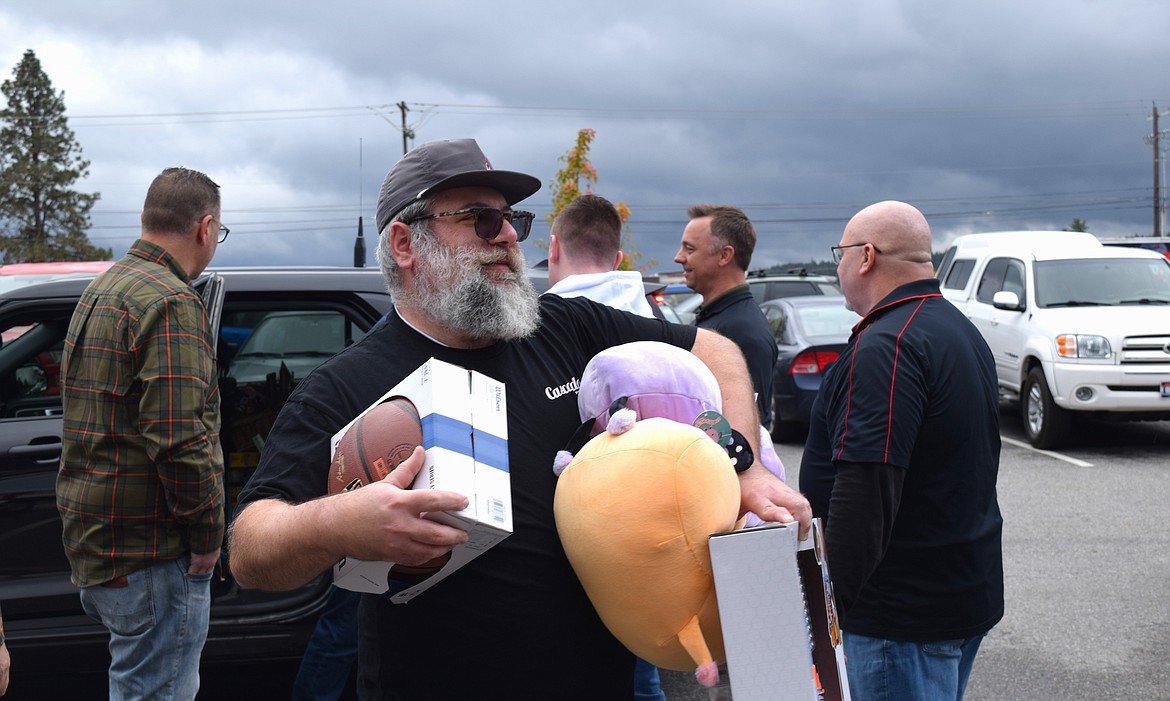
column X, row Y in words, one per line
column 1005, row 299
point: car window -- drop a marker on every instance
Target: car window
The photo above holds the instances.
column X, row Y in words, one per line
column 265, row 349
column 944, row 265
column 297, row 340
column 670, row 314
column 783, row 288
column 992, row 279
column 959, row 273
column 1088, row 282
column 826, row 320
column 778, row 320
column 30, row 367
column 1013, row 279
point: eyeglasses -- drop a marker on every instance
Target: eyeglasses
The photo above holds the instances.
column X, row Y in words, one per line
column 489, row 221
column 839, row 251
column 223, row 230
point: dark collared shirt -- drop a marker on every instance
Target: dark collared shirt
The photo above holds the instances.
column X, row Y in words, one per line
column 736, row 315
column 141, row 476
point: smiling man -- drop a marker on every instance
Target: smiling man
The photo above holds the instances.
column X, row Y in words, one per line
column 514, row 623
column 715, row 252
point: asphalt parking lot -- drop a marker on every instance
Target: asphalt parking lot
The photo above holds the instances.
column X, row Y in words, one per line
column 1087, row 563
column 1087, row 567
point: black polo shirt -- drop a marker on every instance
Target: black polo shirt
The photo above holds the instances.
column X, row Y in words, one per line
column 915, row 389
column 736, row 315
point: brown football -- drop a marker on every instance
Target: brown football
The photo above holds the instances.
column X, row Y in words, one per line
column 372, row 447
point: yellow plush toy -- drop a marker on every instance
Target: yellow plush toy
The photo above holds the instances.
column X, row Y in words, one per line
column 635, row 505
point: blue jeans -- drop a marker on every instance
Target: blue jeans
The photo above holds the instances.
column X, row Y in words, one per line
column 888, row 670
column 158, row 624
column 647, row 685
column 332, row 650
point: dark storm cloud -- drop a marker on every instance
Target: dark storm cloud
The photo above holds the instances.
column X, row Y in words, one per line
column 986, row 115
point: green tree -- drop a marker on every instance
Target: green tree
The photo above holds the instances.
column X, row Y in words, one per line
column 566, row 187
column 1077, row 225
column 42, row 218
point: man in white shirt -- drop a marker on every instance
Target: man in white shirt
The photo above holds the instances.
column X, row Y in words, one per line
column 584, row 253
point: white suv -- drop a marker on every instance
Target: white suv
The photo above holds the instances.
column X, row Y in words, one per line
column 1074, row 326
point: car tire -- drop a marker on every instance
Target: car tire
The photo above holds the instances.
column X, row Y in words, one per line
column 785, row 431
column 1046, row 425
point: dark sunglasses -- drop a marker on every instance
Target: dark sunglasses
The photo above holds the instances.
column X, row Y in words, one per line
column 489, row 221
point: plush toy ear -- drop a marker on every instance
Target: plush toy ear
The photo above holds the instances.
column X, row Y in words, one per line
column 561, row 461
column 580, row 437
column 621, row 421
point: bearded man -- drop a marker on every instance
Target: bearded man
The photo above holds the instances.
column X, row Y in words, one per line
column 514, row 623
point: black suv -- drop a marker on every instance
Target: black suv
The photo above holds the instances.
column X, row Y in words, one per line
column 275, row 324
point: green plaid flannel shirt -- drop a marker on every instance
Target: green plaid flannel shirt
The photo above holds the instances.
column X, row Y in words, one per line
column 141, row 477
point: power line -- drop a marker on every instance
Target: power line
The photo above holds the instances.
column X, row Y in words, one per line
column 850, row 112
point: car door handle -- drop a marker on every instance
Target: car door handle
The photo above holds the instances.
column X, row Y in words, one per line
column 42, row 453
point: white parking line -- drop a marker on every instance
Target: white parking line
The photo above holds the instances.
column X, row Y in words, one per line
column 1049, row 453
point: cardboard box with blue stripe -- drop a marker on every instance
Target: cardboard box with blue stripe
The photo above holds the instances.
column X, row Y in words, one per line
column 465, row 433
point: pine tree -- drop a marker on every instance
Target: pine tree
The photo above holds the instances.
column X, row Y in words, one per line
column 42, row 218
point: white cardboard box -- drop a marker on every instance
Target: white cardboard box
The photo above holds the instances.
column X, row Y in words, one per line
column 778, row 616
column 465, row 434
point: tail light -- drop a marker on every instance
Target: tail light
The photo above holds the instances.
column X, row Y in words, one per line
column 659, row 298
column 813, row 362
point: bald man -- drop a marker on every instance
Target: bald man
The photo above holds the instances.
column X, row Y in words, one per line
column 901, row 462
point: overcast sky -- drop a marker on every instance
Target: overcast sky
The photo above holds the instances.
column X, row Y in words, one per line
column 986, row 114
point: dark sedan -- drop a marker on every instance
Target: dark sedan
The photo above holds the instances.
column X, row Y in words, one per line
column 810, row 333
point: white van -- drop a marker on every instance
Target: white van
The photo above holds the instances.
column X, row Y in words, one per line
column 1074, row 326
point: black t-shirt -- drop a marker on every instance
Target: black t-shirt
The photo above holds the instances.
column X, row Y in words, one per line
column 514, row 623
column 916, row 389
column 737, row 315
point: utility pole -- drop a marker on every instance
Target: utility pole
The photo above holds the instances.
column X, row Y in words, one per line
column 407, row 132
column 1159, row 201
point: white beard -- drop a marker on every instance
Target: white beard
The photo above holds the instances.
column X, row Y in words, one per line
column 453, row 290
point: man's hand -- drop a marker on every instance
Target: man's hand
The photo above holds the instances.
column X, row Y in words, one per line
column 203, row 563
column 5, row 665
column 765, row 495
column 385, row 519
column 5, row 661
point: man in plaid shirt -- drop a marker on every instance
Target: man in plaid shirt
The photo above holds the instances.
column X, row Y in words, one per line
column 140, row 489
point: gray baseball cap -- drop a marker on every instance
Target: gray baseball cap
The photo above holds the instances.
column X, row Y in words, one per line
column 442, row 165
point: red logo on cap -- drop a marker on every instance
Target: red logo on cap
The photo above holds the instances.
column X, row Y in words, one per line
column 486, row 164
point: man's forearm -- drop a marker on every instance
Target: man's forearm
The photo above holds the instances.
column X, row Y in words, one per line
column 278, row 546
column 723, row 357
column 862, row 510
